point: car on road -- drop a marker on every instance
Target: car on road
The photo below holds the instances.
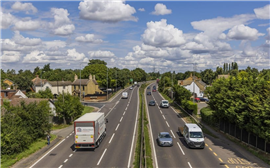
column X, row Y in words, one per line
column 148, row 93
column 154, row 90
column 164, row 139
column 148, row 87
column 164, row 103
column 130, row 88
column 203, row 99
column 152, row 103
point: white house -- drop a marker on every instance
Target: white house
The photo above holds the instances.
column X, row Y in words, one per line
column 194, row 85
column 56, row 87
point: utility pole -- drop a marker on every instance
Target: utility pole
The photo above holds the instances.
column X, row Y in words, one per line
column 107, row 83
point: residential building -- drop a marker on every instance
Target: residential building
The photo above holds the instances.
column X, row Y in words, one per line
column 194, row 85
column 38, row 83
column 57, row 87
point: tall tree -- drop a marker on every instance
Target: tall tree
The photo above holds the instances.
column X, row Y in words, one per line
column 97, row 61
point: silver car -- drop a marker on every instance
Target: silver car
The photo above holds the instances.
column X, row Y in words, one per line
column 164, row 139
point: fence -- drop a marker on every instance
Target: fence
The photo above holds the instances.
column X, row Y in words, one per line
column 244, row 136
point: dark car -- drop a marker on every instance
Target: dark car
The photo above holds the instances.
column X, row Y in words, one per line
column 148, row 87
column 152, row 103
column 148, row 93
column 204, row 99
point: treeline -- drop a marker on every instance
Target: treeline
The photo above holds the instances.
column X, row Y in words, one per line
column 243, row 100
column 119, row 77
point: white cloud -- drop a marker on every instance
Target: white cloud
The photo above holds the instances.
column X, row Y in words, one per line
column 242, row 32
column 101, row 54
column 161, row 34
column 6, row 20
column 263, row 13
column 149, row 48
column 161, row 9
column 106, row 11
column 141, row 9
column 35, row 57
column 54, row 45
column 10, row 56
column 73, row 55
column 18, row 6
column 89, row 38
column 19, row 39
column 62, row 25
column 27, row 25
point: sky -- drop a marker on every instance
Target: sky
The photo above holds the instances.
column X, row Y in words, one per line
column 156, row 36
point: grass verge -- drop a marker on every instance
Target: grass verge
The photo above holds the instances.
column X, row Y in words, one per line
column 87, row 109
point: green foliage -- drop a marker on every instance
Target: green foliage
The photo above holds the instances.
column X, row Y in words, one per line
column 42, row 94
column 207, row 116
column 191, row 106
column 181, row 94
column 68, row 107
column 97, row 61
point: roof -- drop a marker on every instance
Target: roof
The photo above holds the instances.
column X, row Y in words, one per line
column 90, row 116
column 197, row 81
column 36, row 81
column 193, row 127
column 59, row 83
column 83, row 82
column 17, row 101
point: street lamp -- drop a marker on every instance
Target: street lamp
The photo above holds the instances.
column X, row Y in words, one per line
column 107, row 83
column 80, row 79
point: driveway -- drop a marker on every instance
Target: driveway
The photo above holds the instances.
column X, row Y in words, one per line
column 200, row 106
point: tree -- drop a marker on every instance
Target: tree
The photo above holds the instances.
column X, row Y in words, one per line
column 97, row 61
column 47, row 68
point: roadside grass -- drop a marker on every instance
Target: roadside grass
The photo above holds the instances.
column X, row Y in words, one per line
column 9, row 160
column 87, row 109
column 60, row 126
column 148, row 151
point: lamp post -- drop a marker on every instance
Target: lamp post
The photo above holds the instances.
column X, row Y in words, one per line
column 107, row 83
column 80, row 79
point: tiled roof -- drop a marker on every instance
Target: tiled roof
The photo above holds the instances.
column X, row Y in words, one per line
column 83, row 82
column 17, row 101
column 60, row 83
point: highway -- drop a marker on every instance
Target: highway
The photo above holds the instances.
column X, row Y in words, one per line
column 117, row 148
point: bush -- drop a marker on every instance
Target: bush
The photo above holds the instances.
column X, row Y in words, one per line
column 207, row 116
column 192, row 107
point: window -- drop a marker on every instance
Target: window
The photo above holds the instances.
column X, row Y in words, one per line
column 64, row 87
column 83, row 88
column 74, row 87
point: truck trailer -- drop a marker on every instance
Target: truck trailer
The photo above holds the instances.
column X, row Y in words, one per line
column 89, row 130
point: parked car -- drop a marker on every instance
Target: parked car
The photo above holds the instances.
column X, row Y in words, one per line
column 152, row 103
column 204, row 99
column 148, row 93
column 164, row 103
column 165, row 139
column 197, row 99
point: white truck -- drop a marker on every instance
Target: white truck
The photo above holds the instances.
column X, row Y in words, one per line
column 124, row 95
column 89, row 130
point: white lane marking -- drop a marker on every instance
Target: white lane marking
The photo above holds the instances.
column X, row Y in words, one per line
column 134, row 132
column 172, row 134
column 102, row 156
column 46, row 154
column 126, row 109
column 163, row 117
column 189, row 164
column 70, row 134
column 124, row 113
column 101, row 108
column 160, row 111
column 60, row 166
column 180, row 148
column 167, row 124
column 111, row 138
column 70, row 155
column 116, row 127
column 117, row 102
column 67, row 136
column 75, row 150
column 121, row 119
column 65, row 160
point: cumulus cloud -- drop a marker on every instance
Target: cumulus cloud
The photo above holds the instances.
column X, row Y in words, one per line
column 73, row 55
column 242, row 32
column 54, row 45
column 161, row 34
column 62, row 25
column 263, row 13
column 141, row 9
column 27, row 25
column 6, row 20
column 161, row 9
column 101, row 54
column 106, row 11
column 88, row 38
column 10, row 56
column 35, row 57
column 18, row 6
column 19, row 39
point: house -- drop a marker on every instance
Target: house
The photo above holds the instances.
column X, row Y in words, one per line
column 17, row 102
column 38, row 83
column 87, row 86
column 223, row 76
column 9, row 94
column 10, row 84
column 194, row 85
column 56, row 87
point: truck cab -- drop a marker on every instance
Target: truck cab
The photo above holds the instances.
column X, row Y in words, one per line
column 193, row 135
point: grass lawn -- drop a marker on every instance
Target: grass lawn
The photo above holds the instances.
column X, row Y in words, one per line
column 88, row 109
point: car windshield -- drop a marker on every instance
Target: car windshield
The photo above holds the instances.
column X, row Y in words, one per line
column 152, row 101
column 196, row 135
column 165, row 101
column 165, row 136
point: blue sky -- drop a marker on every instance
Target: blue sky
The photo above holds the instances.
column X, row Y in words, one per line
column 161, row 35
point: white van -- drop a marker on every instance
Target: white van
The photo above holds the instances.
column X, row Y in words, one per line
column 124, row 95
column 193, row 135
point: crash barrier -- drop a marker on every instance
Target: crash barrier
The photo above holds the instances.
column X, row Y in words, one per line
column 244, row 136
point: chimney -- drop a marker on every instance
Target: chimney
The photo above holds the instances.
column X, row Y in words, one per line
column 90, row 77
column 75, row 77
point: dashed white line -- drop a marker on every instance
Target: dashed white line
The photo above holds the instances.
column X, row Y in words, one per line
column 189, row 165
column 75, row 150
column 111, row 138
column 65, row 160
column 60, row 166
column 163, row 117
column 121, row 119
column 124, row 113
column 126, row 108
column 181, row 148
column 160, row 111
column 167, row 124
column 67, row 136
column 172, row 134
column 70, row 134
column 116, row 127
column 70, row 155
column 102, row 156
